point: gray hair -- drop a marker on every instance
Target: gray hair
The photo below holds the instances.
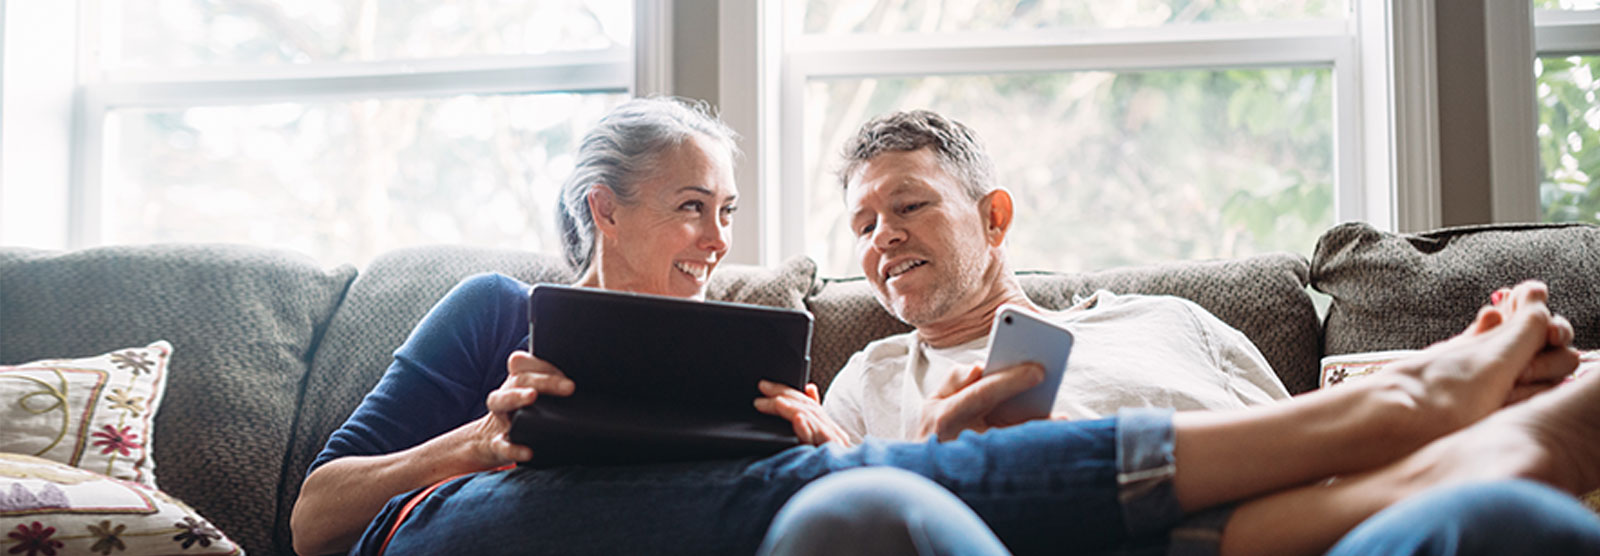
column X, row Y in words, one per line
column 955, row 145
column 621, row 149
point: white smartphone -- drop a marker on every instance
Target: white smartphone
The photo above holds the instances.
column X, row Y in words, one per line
column 1020, row 336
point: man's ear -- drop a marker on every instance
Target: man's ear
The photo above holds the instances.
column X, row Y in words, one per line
column 603, row 206
column 997, row 210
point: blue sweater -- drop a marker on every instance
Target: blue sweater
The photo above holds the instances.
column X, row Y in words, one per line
column 442, row 375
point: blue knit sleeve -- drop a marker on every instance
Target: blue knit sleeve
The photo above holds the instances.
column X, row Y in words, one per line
column 442, row 374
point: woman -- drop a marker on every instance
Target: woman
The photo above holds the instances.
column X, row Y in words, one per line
column 648, row 210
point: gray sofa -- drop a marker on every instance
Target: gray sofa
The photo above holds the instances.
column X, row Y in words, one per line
column 272, row 352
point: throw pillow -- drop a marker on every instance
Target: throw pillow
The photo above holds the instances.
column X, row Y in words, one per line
column 1338, row 369
column 50, row 508
column 95, row 413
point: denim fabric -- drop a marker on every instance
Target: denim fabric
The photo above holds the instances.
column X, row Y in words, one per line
column 1491, row 518
column 878, row 511
column 1041, row 487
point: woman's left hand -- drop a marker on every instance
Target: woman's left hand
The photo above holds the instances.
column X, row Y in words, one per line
column 811, row 423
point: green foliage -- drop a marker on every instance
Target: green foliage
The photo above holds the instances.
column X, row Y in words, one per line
column 1569, row 138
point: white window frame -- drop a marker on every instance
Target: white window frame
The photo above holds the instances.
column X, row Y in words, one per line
column 1384, row 100
column 644, row 69
column 1513, row 117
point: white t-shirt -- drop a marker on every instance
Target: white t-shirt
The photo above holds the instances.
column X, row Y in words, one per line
column 1128, row 351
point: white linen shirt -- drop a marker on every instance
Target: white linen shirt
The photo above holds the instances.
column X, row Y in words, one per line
column 1128, row 351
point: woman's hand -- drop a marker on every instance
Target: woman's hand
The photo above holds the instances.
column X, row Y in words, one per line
column 811, row 423
column 527, row 377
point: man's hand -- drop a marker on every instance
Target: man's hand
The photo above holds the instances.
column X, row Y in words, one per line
column 811, row 423
column 965, row 400
column 527, row 377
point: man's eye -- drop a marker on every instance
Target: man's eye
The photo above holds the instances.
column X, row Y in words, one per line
column 911, row 207
column 867, row 229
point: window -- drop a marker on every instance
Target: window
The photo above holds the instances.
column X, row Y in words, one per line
column 340, row 128
column 1129, row 132
column 1567, row 74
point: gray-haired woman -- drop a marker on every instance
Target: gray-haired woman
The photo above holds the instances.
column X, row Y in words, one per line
column 647, row 209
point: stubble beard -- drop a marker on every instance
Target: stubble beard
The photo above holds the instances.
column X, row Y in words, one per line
column 943, row 295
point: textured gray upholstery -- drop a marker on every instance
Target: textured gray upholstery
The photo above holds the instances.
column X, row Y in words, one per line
column 1263, row 296
column 243, row 323
column 1402, row 291
column 272, row 353
column 396, row 290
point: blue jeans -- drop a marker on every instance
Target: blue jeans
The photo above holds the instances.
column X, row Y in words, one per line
column 1492, row 518
column 878, row 511
column 1094, row 486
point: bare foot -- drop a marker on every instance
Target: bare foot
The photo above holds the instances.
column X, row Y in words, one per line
column 1511, row 350
column 1553, row 438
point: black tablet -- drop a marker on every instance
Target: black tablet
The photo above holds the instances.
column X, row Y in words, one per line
column 658, row 378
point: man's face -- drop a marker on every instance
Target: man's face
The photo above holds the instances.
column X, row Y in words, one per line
column 920, row 238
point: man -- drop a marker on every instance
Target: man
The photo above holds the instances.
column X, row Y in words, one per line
column 930, row 224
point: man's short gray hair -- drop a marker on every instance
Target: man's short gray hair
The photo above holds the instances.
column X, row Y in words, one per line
column 620, row 151
column 955, row 145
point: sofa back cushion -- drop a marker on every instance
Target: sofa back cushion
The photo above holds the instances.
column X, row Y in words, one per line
column 242, row 321
column 397, row 289
column 1405, row 291
column 1263, row 296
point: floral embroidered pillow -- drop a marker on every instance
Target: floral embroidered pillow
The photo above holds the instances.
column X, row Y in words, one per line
column 95, row 413
column 50, row 508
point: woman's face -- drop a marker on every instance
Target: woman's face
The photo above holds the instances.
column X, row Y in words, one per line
column 675, row 229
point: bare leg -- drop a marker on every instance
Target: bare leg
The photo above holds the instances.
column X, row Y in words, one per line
column 1236, row 455
column 1553, row 438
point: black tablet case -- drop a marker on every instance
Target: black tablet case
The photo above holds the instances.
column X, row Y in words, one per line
column 658, row 379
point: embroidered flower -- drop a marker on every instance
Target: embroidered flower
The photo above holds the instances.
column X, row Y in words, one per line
column 120, row 399
column 132, row 360
column 116, row 440
column 195, row 531
column 107, row 538
column 34, row 541
column 1337, row 376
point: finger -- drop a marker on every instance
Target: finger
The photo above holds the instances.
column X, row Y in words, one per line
column 768, row 406
column 989, row 390
column 813, row 392
column 506, row 400
column 553, row 384
column 958, row 380
column 523, row 362
column 505, row 450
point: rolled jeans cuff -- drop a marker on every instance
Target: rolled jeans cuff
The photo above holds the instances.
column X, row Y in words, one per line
column 1145, row 468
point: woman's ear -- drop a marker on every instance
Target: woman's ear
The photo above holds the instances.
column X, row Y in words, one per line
column 997, row 210
column 603, row 206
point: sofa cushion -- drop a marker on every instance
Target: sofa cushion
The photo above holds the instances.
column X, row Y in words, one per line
column 399, row 287
column 243, row 321
column 95, row 413
column 1405, row 291
column 49, row 506
column 1263, row 296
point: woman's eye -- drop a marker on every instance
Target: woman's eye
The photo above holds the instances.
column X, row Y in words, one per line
column 729, row 210
column 911, row 207
column 695, row 206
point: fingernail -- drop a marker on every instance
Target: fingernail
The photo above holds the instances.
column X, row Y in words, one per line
column 1495, row 297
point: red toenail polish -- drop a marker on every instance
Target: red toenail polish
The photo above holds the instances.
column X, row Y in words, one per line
column 1494, row 298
